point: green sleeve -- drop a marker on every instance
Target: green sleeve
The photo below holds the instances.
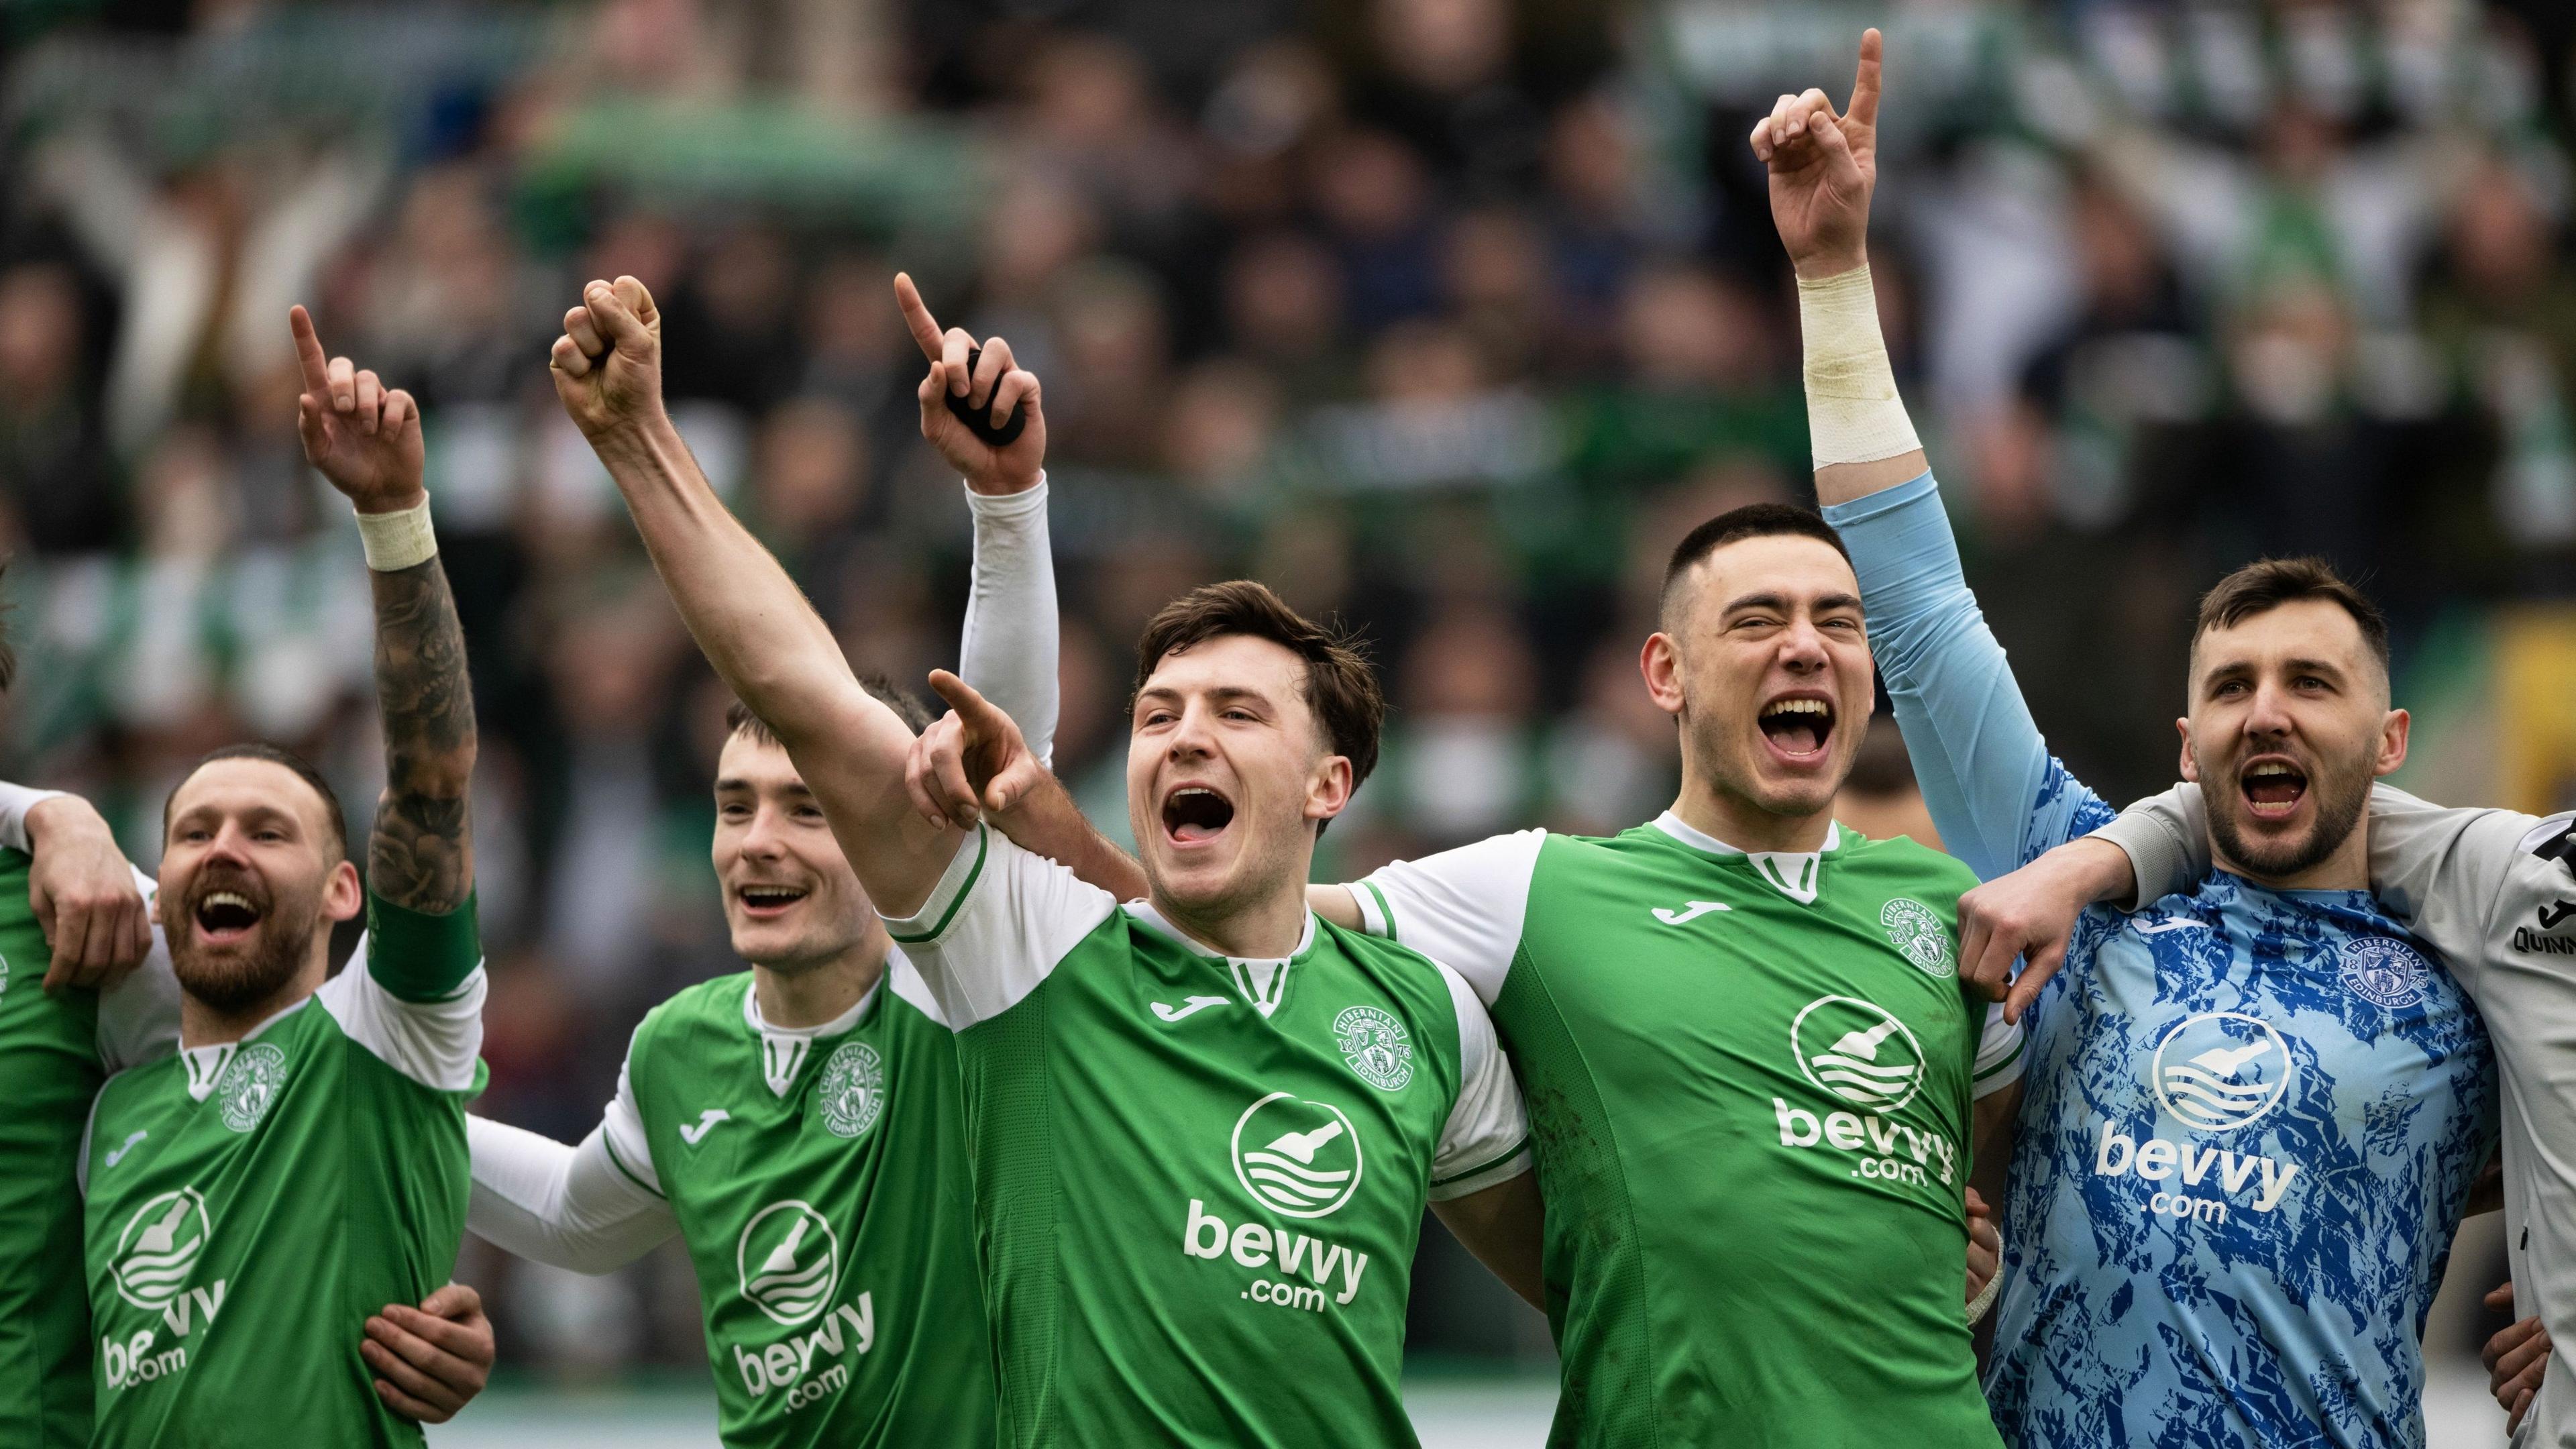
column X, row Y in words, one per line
column 417, row 956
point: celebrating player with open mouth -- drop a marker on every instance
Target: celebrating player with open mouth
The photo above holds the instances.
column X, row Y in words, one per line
column 1749, row 1061
column 1204, row 1126
column 800, row 1126
column 2254, row 1113
column 301, row 1161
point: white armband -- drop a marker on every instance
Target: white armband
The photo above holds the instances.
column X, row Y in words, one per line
column 1853, row 412
column 397, row 541
column 1985, row 1298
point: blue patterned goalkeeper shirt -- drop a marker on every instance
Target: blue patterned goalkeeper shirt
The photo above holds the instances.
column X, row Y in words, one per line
column 2251, row 1117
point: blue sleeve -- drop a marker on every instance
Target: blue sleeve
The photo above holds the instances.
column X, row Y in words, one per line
column 1996, row 795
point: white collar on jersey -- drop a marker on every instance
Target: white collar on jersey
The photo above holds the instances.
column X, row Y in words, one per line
column 206, row 1064
column 1263, row 982
column 1793, row 873
column 783, row 1048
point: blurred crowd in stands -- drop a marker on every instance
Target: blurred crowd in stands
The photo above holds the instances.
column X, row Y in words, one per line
column 1445, row 316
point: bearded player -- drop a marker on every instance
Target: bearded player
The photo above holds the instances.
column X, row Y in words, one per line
column 1197, row 1189
column 302, row 1158
column 2254, row 1113
column 801, row 1126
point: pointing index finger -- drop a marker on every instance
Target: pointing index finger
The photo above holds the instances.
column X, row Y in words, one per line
column 916, row 317
column 1863, row 109
column 308, row 351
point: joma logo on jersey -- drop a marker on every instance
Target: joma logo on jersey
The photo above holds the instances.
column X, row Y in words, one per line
column 250, row 1082
column 1298, row 1158
column 2221, row 1070
column 789, row 1261
column 852, row 1091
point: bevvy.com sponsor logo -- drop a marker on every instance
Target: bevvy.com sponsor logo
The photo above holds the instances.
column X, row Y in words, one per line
column 1857, row 1053
column 1297, row 1158
column 2215, row 1074
column 156, row 1255
column 789, row 1264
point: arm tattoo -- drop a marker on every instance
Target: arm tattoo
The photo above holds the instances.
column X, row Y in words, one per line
column 421, row 854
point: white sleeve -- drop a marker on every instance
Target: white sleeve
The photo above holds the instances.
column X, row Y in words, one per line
column 435, row 1043
column 1486, row 1139
column 15, row 802
column 570, row 1207
column 2481, row 887
column 1462, row 908
column 1999, row 1059
column 995, row 926
column 1009, row 652
column 138, row 1017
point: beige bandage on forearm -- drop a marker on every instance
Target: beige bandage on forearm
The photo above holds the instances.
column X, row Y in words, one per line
column 1853, row 412
column 397, row 541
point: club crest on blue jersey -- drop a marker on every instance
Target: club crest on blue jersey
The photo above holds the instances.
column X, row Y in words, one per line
column 2388, row 972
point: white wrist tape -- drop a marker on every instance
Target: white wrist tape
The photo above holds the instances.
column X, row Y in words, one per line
column 1985, row 1298
column 1853, row 412
column 398, row 540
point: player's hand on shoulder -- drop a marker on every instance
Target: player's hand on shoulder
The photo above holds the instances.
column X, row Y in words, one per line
column 607, row 365
column 2516, row 1358
column 2031, row 914
column 1823, row 167
column 970, row 761
column 361, row 435
column 995, row 381
column 432, row 1360
column 83, row 891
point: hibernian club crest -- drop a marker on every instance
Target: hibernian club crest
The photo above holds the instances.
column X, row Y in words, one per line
column 852, row 1091
column 1376, row 1045
column 1917, row 935
column 250, row 1083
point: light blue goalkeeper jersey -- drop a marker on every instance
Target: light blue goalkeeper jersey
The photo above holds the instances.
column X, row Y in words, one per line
column 2251, row 1117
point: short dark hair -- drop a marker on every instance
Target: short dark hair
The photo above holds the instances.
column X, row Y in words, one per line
column 2267, row 584
column 739, row 720
column 1753, row 520
column 1339, row 686
column 302, row 769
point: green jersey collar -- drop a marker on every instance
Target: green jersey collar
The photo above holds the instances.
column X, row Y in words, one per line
column 783, row 1048
column 206, row 1064
column 1793, row 873
column 1263, row 984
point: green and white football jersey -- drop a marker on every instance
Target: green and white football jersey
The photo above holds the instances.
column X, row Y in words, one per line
column 1199, row 1179
column 1749, row 1080
column 819, row 1177
column 55, row 1051
column 250, row 1203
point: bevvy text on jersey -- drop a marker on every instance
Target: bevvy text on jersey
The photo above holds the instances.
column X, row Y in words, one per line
column 1856, row 1053
column 1295, row 1159
column 789, row 1261
column 2211, row 1074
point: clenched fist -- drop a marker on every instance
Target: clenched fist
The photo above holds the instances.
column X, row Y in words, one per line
column 608, row 364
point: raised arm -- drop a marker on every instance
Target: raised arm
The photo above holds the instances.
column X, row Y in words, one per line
column 746, row 614
column 366, row 440
column 1993, row 791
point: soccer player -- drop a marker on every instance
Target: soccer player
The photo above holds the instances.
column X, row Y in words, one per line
column 1749, row 1063
column 801, row 1125
column 1204, row 1125
column 302, row 1158
column 2493, row 893
column 2253, row 1113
